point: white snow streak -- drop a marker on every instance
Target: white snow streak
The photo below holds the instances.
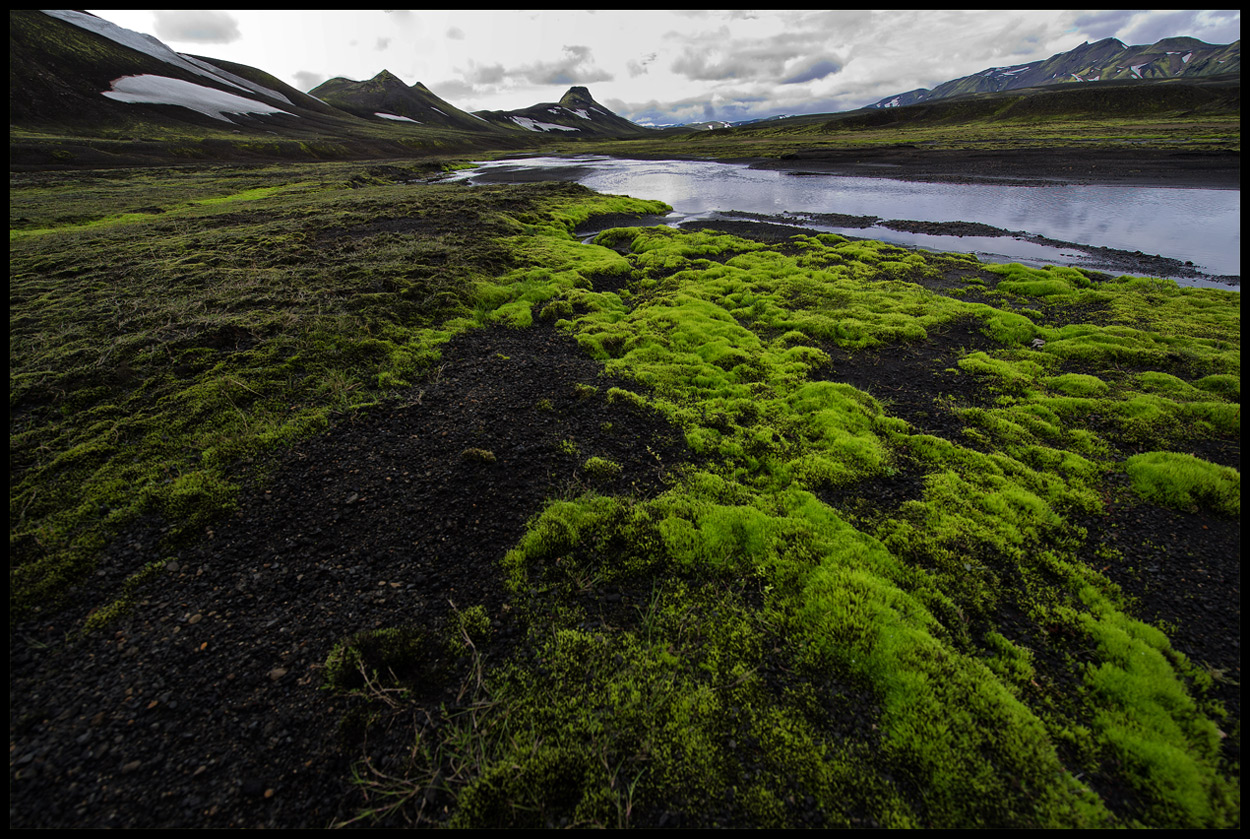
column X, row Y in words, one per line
column 162, row 90
column 395, row 117
column 148, row 45
column 534, row 125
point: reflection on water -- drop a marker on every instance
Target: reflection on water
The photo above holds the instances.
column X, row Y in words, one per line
column 1202, row 226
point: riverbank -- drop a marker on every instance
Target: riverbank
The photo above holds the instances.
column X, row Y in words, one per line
column 342, row 496
column 1081, row 164
column 684, row 181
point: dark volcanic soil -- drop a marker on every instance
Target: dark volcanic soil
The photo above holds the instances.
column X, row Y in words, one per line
column 205, row 706
column 1143, row 167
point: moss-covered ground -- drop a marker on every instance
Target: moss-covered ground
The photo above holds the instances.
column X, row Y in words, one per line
column 862, row 601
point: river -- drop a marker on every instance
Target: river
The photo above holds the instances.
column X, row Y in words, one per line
column 1199, row 229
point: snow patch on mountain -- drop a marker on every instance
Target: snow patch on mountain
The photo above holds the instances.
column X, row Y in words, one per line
column 237, row 81
column 162, row 90
column 396, row 117
column 534, row 125
column 150, row 46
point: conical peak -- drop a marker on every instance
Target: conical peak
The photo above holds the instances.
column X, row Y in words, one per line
column 387, row 77
column 577, row 97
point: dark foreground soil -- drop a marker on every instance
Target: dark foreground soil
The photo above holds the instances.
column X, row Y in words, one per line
column 1137, row 167
column 206, row 707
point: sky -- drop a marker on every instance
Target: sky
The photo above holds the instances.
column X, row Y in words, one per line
column 658, row 67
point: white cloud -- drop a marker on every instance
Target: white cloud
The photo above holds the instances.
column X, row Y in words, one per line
column 663, row 62
column 196, row 26
column 305, row 80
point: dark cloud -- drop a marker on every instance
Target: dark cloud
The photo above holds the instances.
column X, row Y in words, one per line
column 1105, row 24
column 637, row 68
column 576, row 67
column 729, row 107
column 306, row 80
column 707, row 63
column 453, row 90
column 716, row 57
column 383, row 43
column 455, row 33
column 485, row 74
column 202, row 27
column 1138, row 27
column 1195, row 23
column 816, row 70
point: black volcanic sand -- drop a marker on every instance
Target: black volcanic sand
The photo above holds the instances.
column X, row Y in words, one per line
column 1182, row 568
column 569, row 174
column 204, row 707
column 1024, row 167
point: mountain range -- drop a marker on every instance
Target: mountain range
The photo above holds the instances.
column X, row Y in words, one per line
column 1105, row 60
column 85, row 91
column 72, row 73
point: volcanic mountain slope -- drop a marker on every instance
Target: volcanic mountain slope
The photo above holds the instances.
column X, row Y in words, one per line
column 386, row 97
column 74, row 69
column 83, row 91
column 577, row 114
column 1105, row 60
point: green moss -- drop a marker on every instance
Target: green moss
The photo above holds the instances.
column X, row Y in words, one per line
column 601, row 469
column 765, row 630
column 1184, row 481
column 1078, row 384
column 390, row 655
column 470, row 627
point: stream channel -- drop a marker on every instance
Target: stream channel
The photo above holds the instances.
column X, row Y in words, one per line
column 1190, row 235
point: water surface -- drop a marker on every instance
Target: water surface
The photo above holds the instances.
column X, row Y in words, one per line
column 1199, row 226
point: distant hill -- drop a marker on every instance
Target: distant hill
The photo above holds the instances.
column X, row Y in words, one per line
column 74, row 69
column 1105, row 60
column 577, row 114
column 386, row 97
column 86, row 92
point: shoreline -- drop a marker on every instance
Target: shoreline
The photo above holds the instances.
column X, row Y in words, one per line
column 1006, row 169
column 1023, row 167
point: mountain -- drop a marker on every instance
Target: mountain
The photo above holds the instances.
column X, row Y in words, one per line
column 84, row 91
column 577, row 114
column 1104, row 60
column 73, row 68
column 386, row 97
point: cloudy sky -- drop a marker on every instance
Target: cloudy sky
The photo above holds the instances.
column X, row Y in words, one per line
column 658, row 67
